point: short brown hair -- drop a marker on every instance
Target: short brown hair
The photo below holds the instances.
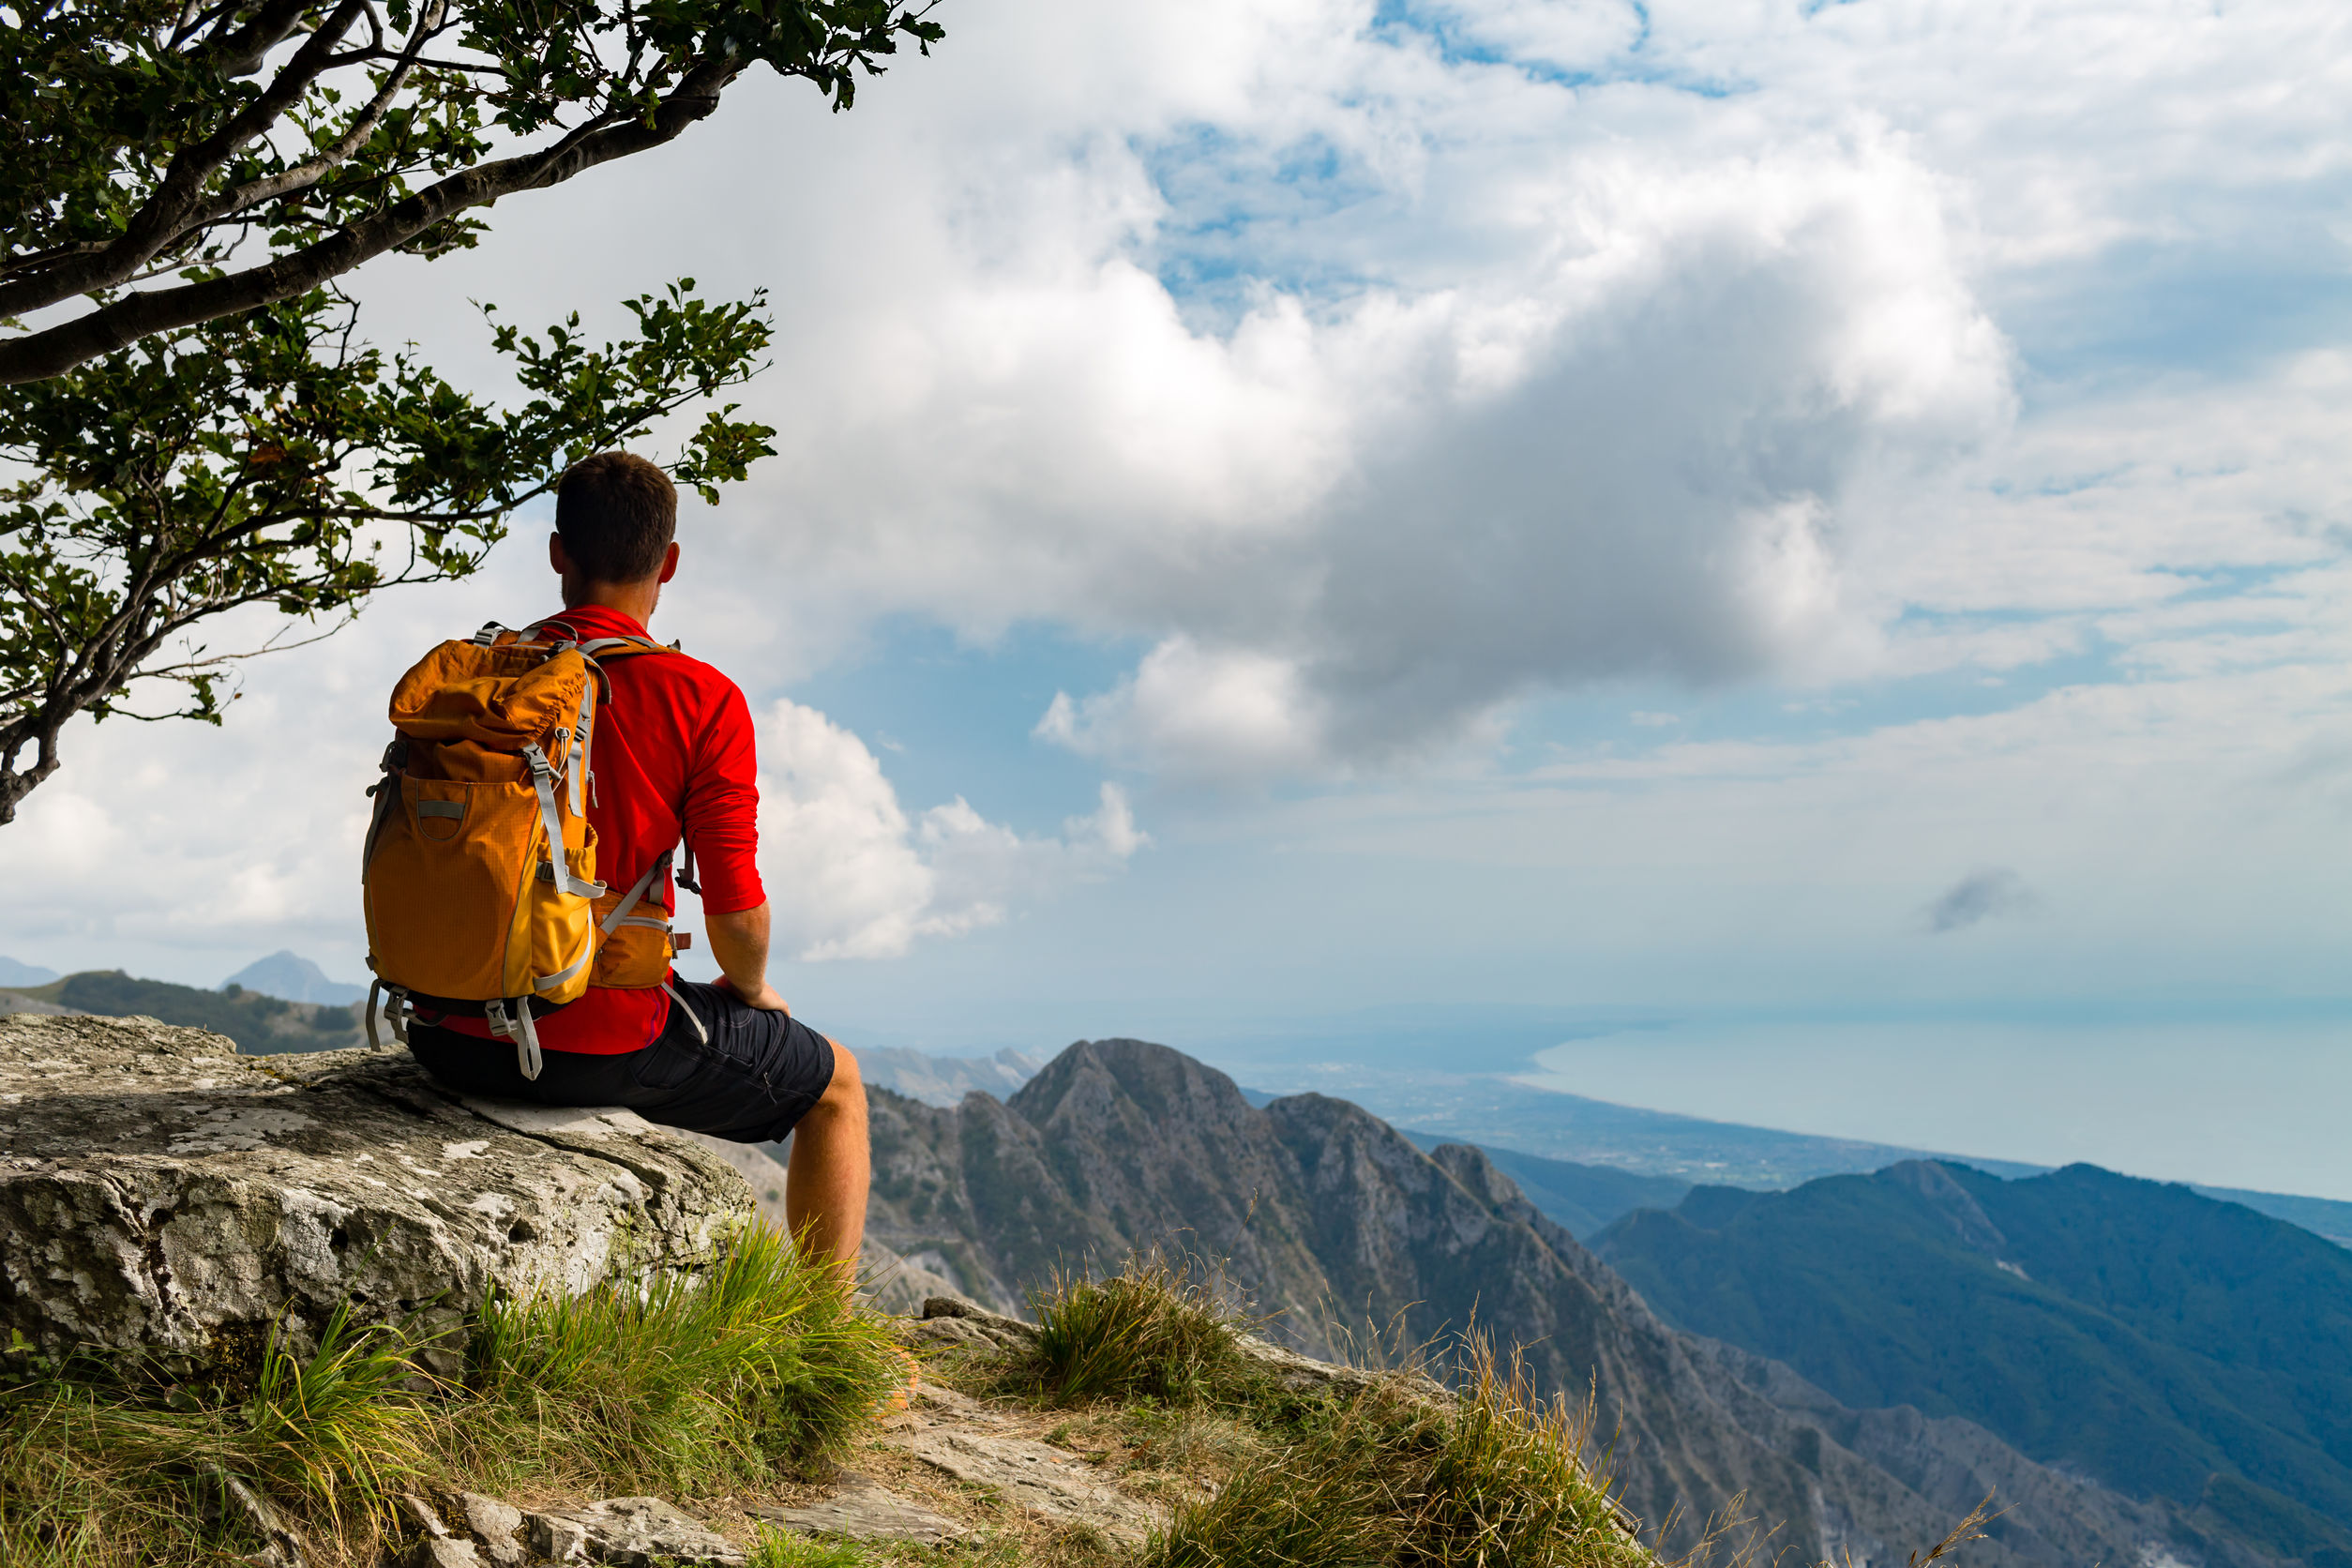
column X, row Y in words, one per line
column 617, row 514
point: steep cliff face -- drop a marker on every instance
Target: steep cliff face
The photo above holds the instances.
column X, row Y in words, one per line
column 1329, row 1217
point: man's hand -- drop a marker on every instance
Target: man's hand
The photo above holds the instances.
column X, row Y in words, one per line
column 740, row 943
column 767, row 999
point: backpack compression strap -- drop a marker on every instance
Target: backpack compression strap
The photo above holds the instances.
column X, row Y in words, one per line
column 520, row 1030
column 559, row 865
column 621, row 917
column 398, row 1010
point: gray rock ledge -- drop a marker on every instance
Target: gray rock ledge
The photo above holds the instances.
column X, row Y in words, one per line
column 863, row 1509
column 161, row 1192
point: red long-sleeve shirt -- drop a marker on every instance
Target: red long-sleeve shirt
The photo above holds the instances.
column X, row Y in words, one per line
column 672, row 755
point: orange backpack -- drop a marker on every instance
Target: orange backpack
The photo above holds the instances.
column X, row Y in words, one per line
column 480, row 874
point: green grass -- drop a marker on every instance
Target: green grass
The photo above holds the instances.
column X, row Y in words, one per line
column 86, row 1452
column 759, row 1366
column 1156, row 1329
column 777, row 1550
column 684, row 1380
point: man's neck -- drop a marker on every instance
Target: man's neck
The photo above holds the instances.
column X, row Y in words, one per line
column 635, row 601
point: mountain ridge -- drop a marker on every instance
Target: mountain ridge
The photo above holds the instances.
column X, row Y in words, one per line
column 2205, row 1349
column 261, row 1025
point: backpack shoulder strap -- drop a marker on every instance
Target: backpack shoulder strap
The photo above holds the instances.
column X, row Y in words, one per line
column 621, row 647
column 593, row 648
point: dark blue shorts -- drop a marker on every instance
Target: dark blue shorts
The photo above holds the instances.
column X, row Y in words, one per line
column 752, row 1081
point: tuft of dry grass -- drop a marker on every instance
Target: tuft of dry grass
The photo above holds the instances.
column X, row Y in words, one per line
column 1157, row 1329
column 1967, row 1529
column 1494, row 1477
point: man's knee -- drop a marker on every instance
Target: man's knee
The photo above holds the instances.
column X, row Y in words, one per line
column 848, row 1088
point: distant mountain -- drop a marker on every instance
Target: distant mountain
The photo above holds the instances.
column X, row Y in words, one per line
column 1499, row 1114
column 2172, row 1346
column 2324, row 1216
column 1328, row 1217
column 14, row 973
column 261, row 1025
column 942, row 1080
column 1583, row 1198
column 293, row 979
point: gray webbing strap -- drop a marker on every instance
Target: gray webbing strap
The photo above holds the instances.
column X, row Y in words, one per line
column 549, row 982
column 398, row 1010
column 577, row 763
column 543, row 781
column 644, row 885
column 518, row 1028
column 678, row 1002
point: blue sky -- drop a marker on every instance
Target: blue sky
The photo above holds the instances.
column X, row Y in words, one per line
column 1292, row 507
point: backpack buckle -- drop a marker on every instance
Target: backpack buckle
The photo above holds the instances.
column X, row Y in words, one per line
column 517, row 1028
column 398, row 1010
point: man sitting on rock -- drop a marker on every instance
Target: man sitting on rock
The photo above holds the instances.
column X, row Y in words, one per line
column 672, row 754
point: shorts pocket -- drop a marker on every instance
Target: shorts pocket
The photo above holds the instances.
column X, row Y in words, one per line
column 663, row 1066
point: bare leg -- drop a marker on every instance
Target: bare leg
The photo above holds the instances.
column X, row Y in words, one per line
column 825, row 1175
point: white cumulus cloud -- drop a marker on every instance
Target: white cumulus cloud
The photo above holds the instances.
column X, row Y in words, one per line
column 851, row 875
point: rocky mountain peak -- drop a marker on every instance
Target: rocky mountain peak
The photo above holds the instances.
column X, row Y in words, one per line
column 1119, row 1076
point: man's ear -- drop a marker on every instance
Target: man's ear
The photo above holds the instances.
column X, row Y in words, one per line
column 669, row 562
column 556, row 557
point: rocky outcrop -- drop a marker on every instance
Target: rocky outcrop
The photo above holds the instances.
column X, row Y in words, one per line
column 477, row 1531
column 159, row 1192
column 627, row 1532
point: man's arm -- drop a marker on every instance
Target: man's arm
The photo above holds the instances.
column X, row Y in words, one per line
column 740, row 943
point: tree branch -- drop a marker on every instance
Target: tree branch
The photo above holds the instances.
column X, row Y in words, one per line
column 241, row 53
column 54, row 253
column 310, row 172
column 165, row 215
column 60, row 348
